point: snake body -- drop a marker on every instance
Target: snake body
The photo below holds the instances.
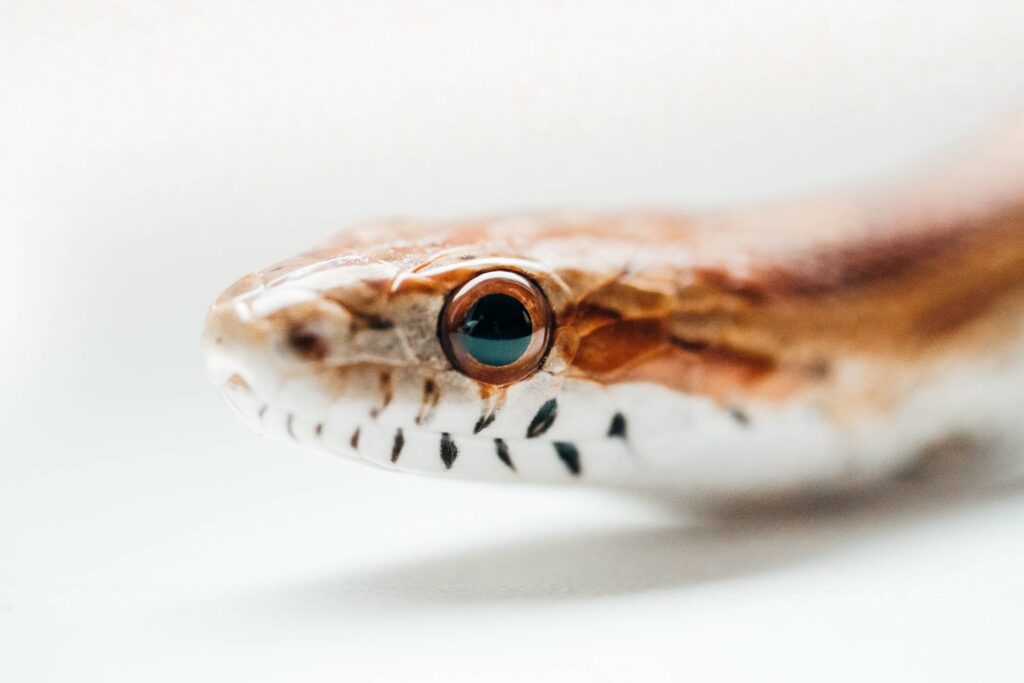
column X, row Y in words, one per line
column 807, row 347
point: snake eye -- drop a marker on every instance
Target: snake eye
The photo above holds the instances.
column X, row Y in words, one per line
column 496, row 327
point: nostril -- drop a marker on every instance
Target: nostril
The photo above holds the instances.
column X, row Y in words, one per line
column 307, row 343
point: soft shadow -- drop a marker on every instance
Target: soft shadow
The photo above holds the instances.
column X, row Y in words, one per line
column 727, row 544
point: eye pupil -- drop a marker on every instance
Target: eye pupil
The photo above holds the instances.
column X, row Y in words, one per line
column 497, row 330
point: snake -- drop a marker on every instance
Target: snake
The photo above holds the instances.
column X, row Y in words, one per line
column 806, row 346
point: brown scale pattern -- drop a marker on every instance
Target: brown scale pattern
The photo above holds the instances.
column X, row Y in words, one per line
column 905, row 297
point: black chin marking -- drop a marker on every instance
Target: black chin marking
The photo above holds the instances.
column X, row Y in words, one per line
column 489, row 412
column 739, row 416
column 319, row 429
column 569, row 455
column 501, row 448
column 431, row 396
column 484, row 422
column 543, row 420
column 263, row 411
column 354, row 441
column 449, row 451
column 396, row 447
column 386, row 394
column 617, row 428
column 290, row 426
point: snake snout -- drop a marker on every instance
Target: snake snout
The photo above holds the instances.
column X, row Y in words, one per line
column 222, row 348
column 239, row 349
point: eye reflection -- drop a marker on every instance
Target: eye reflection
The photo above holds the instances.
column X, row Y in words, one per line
column 496, row 327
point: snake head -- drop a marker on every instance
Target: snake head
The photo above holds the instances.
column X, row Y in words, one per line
column 420, row 347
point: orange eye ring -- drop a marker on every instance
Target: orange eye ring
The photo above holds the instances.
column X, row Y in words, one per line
column 496, row 328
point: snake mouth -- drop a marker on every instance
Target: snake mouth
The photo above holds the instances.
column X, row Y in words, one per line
column 239, row 395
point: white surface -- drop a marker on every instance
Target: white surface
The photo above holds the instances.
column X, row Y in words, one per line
column 150, row 152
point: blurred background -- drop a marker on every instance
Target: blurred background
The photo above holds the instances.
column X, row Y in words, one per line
column 151, row 152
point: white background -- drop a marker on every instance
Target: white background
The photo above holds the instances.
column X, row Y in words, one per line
column 151, row 152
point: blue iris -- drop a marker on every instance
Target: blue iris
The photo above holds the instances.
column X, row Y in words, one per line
column 497, row 330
